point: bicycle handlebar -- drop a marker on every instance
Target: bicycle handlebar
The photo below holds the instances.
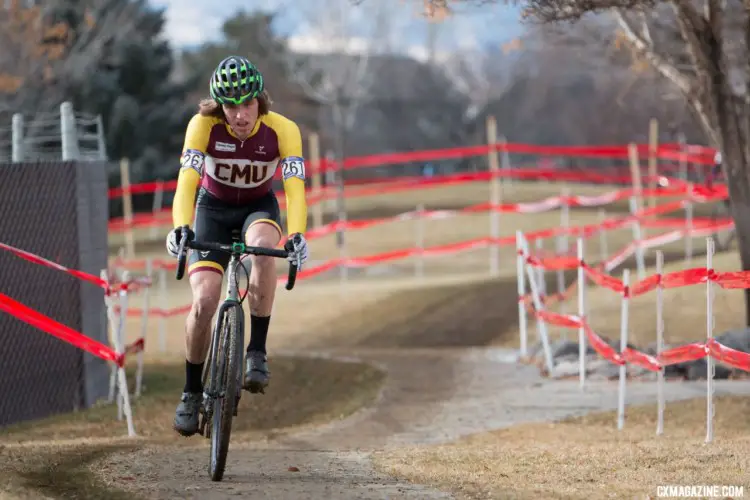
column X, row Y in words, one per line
column 247, row 250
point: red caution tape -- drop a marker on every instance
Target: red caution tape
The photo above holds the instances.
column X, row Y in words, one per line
column 645, row 285
column 694, row 155
column 48, row 263
column 729, row 356
column 136, row 347
column 601, row 347
column 733, row 279
column 557, row 263
column 682, row 354
column 641, row 359
column 604, row 280
column 685, row 277
column 49, row 325
column 563, row 320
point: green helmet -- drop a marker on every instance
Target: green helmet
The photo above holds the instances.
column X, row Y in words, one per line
column 235, row 80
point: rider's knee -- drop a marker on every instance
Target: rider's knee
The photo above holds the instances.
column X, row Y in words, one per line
column 206, row 294
column 262, row 235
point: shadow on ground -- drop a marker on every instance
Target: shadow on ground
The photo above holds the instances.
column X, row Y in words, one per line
column 453, row 315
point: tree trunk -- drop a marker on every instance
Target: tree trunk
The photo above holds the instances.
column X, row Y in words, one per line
column 737, row 172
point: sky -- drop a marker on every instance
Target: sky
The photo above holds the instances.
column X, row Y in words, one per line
column 313, row 25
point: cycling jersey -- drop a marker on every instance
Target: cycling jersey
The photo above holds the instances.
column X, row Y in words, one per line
column 238, row 172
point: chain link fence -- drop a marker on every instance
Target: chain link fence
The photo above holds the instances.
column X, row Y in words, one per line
column 57, row 210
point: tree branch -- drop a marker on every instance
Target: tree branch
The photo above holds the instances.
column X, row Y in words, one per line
column 661, row 64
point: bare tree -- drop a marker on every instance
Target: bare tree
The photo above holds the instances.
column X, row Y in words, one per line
column 45, row 54
column 31, row 44
column 702, row 47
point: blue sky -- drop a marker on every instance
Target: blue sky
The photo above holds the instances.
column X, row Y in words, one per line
column 191, row 22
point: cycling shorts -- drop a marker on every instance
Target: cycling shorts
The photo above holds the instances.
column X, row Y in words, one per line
column 216, row 221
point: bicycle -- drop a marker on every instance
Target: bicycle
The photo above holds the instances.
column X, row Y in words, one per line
column 223, row 369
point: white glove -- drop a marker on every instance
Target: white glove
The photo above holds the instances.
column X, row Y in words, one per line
column 297, row 245
column 173, row 240
column 173, row 244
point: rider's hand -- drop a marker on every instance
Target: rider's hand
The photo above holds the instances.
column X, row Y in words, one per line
column 173, row 239
column 297, row 245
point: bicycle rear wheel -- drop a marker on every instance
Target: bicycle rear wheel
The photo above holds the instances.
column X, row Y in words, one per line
column 227, row 364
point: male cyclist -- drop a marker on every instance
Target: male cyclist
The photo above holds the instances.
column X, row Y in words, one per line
column 232, row 149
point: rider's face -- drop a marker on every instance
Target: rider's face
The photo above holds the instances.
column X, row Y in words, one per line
column 242, row 117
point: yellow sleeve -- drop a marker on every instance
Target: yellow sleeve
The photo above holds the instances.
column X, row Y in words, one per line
column 191, row 169
column 293, row 176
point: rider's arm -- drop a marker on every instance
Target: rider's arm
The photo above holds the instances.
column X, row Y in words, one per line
column 293, row 176
column 191, row 168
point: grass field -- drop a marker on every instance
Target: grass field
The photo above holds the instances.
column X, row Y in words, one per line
column 587, row 457
column 403, row 234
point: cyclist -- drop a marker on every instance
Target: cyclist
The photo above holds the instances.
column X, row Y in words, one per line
column 233, row 147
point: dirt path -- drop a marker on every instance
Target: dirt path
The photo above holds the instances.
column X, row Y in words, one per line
column 431, row 396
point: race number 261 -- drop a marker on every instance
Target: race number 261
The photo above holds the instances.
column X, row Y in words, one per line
column 293, row 166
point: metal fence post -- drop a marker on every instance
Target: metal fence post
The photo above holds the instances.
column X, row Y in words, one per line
column 100, row 142
column 68, row 133
column 17, row 141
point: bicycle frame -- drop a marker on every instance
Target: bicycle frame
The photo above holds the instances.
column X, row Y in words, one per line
column 232, row 300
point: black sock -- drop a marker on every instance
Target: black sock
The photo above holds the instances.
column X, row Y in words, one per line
column 193, row 377
column 258, row 333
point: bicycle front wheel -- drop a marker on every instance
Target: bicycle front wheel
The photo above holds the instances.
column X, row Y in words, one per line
column 228, row 364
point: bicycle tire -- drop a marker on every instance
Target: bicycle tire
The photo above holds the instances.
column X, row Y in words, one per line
column 223, row 406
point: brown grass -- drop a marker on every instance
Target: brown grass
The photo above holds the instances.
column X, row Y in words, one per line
column 390, row 204
column 305, row 391
column 52, row 455
column 400, row 235
column 459, row 308
column 587, row 457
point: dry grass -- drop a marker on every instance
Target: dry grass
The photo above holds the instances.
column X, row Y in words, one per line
column 52, row 455
column 389, row 204
column 304, row 391
column 465, row 308
column 587, row 457
column 400, row 235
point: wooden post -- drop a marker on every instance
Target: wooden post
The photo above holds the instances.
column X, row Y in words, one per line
column 420, row 233
column 505, row 162
column 317, row 208
column 127, row 207
column 653, row 145
column 683, row 157
column 156, row 209
column 635, row 173
column 495, row 196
